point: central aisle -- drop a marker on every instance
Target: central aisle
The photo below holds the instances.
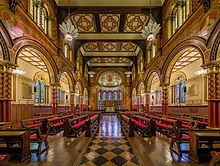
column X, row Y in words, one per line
column 109, row 147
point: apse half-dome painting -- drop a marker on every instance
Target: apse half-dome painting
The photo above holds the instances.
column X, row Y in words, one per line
column 110, row 79
column 109, row 93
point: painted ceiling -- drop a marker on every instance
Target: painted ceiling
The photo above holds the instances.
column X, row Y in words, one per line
column 107, row 61
column 109, row 3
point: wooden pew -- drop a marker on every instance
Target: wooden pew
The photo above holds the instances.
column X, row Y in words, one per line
column 145, row 126
column 6, row 125
column 39, row 138
column 127, row 124
column 178, row 136
column 56, row 124
column 92, row 125
column 73, row 126
column 4, row 158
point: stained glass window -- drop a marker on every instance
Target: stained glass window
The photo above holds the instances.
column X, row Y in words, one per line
column 42, row 89
column 159, row 96
column 104, row 96
column 99, row 95
column 110, row 95
column 115, row 95
column 177, row 93
column 37, row 91
column 60, row 96
column 119, row 95
column 183, row 91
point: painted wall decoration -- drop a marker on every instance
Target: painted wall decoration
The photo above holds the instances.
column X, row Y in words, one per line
column 110, row 78
column 208, row 23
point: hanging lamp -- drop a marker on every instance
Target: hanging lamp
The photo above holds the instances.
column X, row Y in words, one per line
column 150, row 31
column 67, row 29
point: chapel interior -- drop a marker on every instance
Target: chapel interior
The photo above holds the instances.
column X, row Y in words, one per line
column 93, row 82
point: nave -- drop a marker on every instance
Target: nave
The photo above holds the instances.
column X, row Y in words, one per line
column 109, row 147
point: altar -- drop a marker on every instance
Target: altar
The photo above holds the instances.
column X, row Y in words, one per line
column 110, row 109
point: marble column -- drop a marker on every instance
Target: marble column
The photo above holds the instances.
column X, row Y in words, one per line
column 72, row 111
column 5, row 91
column 213, row 93
column 164, row 98
column 147, row 94
column 54, row 98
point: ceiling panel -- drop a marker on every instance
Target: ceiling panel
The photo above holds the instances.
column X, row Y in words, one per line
column 84, row 22
column 109, row 22
column 135, row 22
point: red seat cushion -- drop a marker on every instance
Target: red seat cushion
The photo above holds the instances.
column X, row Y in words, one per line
column 33, row 137
column 218, row 153
column 203, row 123
column 2, row 156
column 80, row 124
column 139, row 124
column 34, row 125
column 185, row 137
column 163, row 125
column 186, row 126
column 57, row 124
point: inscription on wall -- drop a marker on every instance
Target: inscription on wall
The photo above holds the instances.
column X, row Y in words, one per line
column 26, row 91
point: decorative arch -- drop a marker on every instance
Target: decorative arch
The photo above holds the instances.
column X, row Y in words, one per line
column 178, row 74
column 69, row 76
column 138, row 86
column 215, row 48
column 174, row 55
column 43, row 54
column 5, row 42
column 149, row 78
column 80, row 85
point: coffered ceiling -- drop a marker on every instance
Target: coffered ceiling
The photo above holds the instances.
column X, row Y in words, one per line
column 109, row 3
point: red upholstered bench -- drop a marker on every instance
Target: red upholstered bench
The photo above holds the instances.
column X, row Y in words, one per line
column 4, row 158
column 164, row 126
column 215, row 158
column 140, row 125
column 74, row 126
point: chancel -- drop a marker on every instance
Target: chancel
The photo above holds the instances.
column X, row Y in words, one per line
column 117, row 83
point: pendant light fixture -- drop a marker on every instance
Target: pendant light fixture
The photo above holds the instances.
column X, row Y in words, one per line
column 68, row 29
column 150, row 31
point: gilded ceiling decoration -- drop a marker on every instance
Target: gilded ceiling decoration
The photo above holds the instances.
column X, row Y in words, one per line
column 109, row 22
column 135, row 22
column 91, row 46
column 109, row 46
column 189, row 56
column 84, row 22
column 110, row 78
column 110, row 60
column 128, row 46
column 33, row 58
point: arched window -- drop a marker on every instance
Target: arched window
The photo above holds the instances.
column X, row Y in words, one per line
column 115, row 95
column 180, row 90
column 39, row 14
column 99, row 95
column 180, row 13
column 39, row 92
column 60, row 96
column 177, row 96
column 183, row 91
column 104, row 96
column 110, row 95
column 119, row 95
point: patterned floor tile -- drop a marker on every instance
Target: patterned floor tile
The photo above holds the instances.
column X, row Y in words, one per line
column 109, row 147
column 109, row 155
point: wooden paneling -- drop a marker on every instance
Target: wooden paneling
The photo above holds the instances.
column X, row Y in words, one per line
column 21, row 111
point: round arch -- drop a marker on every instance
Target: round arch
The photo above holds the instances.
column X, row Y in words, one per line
column 42, row 53
column 149, row 78
column 175, row 55
column 69, row 76
column 5, row 42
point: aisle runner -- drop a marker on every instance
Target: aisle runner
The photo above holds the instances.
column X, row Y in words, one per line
column 109, row 147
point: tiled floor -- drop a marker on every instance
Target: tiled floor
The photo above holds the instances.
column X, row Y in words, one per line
column 109, row 147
